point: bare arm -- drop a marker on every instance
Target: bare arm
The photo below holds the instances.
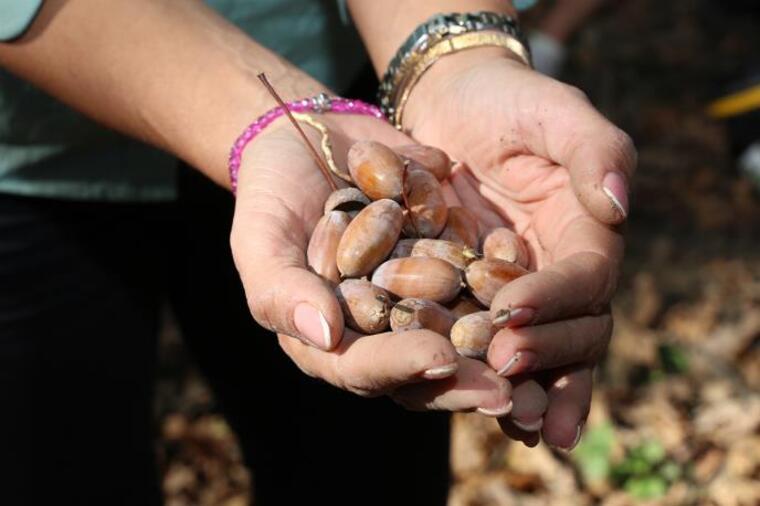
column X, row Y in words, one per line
column 514, row 130
column 385, row 25
column 170, row 72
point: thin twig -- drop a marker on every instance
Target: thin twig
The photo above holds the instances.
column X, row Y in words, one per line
column 320, row 162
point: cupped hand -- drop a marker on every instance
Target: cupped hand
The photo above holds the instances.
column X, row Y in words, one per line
column 538, row 158
column 280, row 198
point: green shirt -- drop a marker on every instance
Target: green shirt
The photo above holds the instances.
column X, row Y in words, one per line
column 49, row 150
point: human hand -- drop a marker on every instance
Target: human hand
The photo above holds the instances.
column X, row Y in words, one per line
column 280, row 198
column 539, row 159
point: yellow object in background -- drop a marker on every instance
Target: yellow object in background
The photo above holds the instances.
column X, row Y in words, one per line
column 735, row 104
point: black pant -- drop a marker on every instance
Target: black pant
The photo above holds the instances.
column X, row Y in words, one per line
column 81, row 285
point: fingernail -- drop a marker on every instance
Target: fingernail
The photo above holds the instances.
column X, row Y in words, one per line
column 616, row 190
column 496, row 412
column 312, row 325
column 441, row 372
column 522, row 361
column 534, row 426
column 570, row 448
column 514, row 317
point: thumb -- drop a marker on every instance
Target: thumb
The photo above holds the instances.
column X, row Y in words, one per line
column 599, row 156
column 269, row 246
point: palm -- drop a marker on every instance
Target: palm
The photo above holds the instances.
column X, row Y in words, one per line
column 506, row 124
column 280, row 198
column 282, row 173
column 530, row 195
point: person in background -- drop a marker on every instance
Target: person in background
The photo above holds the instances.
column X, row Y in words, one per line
column 548, row 42
column 93, row 239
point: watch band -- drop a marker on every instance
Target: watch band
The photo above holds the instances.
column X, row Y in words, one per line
column 444, row 47
column 432, row 32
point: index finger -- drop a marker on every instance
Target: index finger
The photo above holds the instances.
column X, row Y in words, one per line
column 580, row 282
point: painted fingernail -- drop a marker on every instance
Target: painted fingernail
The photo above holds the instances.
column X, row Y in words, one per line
column 496, row 412
column 522, row 361
column 617, row 191
column 441, row 372
column 514, row 317
column 312, row 325
column 534, row 426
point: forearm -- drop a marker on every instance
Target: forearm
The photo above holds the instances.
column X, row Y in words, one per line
column 385, row 25
column 169, row 72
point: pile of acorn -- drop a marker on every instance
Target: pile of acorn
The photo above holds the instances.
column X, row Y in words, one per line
column 399, row 257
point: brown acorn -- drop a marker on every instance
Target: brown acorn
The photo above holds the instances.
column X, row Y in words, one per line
column 461, row 227
column 505, row 244
column 456, row 254
column 369, row 238
column 376, row 170
column 350, row 200
column 429, row 158
column 486, row 277
column 366, row 307
column 464, row 305
column 419, row 277
column 427, row 212
column 472, row 334
column 410, row 314
column 323, row 245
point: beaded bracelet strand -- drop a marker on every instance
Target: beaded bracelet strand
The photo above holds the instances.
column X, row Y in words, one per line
column 319, row 104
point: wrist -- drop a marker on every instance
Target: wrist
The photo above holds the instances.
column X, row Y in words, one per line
column 439, row 82
column 321, row 113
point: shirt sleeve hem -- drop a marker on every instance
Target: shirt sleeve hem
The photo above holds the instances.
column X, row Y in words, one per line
column 17, row 17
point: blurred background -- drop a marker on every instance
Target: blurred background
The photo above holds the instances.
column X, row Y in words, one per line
column 676, row 412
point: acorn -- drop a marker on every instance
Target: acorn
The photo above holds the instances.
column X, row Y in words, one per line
column 505, row 244
column 350, row 200
column 376, row 170
column 419, row 277
column 366, row 307
column 426, row 211
column 471, row 335
column 487, row 276
column 323, row 245
column 461, row 227
column 464, row 305
column 456, row 254
column 369, row 238
column 411, row 313
column 432, row 159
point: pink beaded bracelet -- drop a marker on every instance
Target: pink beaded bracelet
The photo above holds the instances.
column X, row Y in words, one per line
column 318, row 104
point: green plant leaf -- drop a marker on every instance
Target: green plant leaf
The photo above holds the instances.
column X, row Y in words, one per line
column 673, row 359
column 646, row 487
column 652, row 452
column 670, row 471
column 592, row 456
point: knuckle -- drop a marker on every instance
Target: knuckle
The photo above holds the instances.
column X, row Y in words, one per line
column 502, row 393
column 261, row 308
column 625, row 149
column 601, row 268
column 573, row 93
column 602, row 333
column 428, row 349
column 354, row 379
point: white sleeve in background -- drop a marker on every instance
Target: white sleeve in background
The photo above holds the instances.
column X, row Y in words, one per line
column 16, row 16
